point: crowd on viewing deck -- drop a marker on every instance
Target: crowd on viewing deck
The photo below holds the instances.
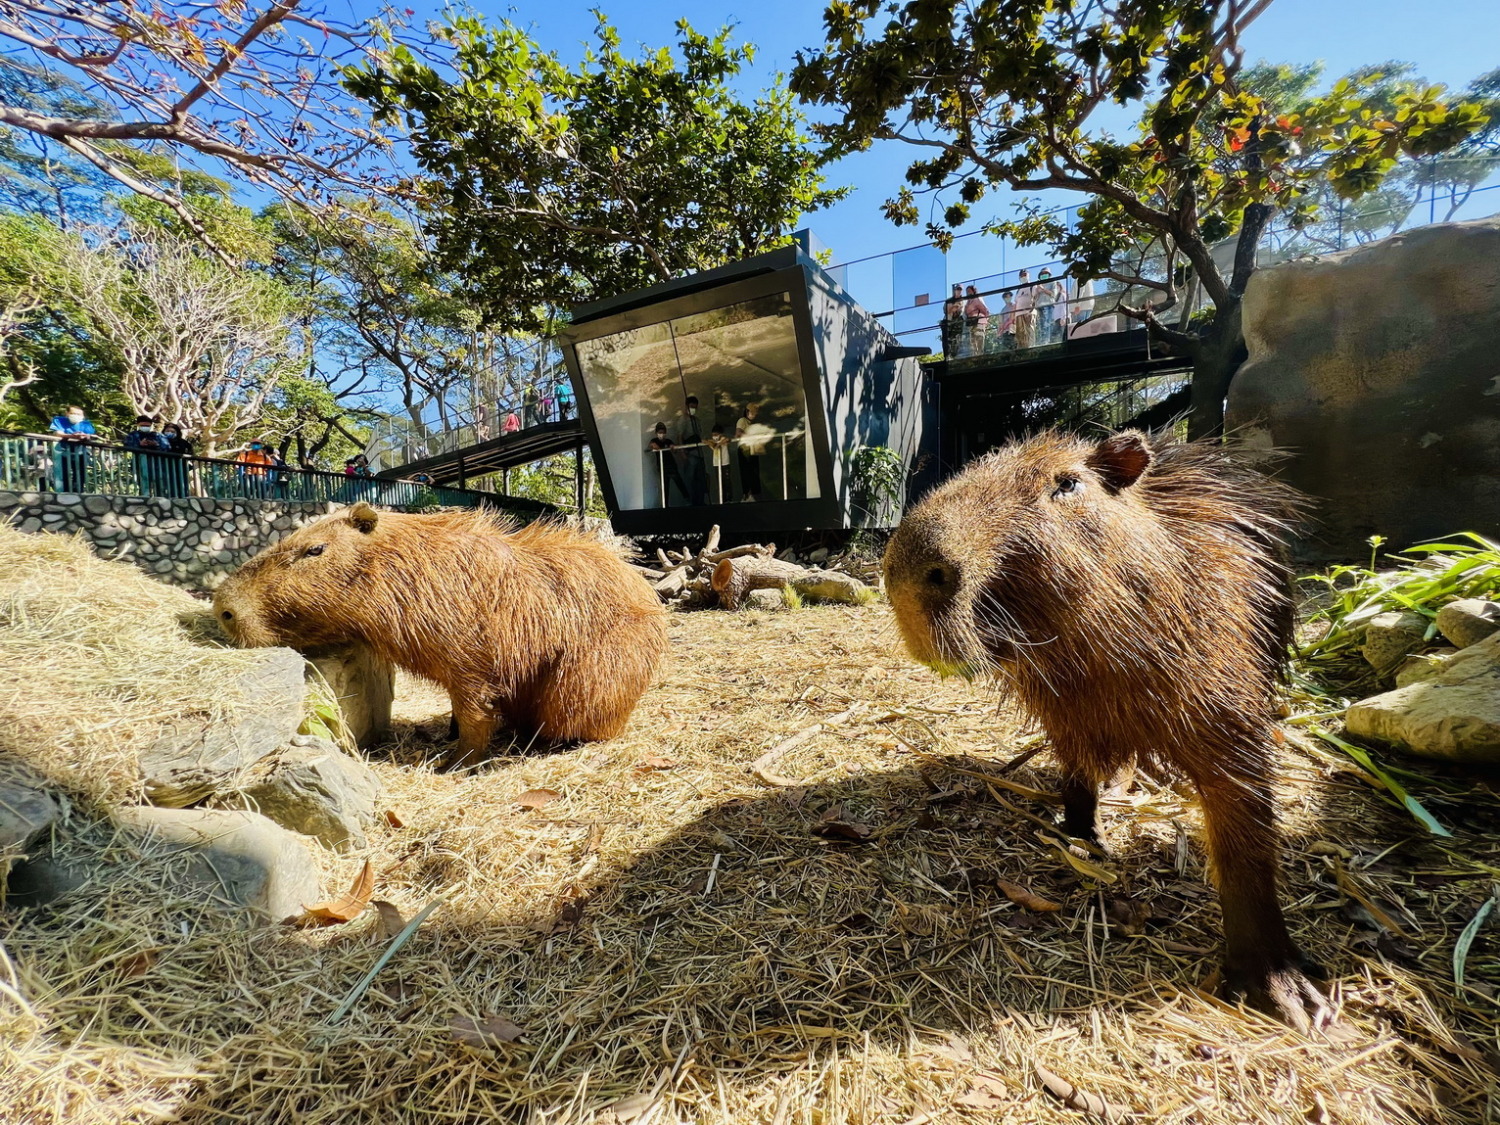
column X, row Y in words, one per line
column 1031, row 314
column 692, row 458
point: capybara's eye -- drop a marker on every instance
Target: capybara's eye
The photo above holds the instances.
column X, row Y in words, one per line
column 227, row 616
column 1066, row 485
column 313, row 552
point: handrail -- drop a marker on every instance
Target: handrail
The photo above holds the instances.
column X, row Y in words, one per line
column 88, row 464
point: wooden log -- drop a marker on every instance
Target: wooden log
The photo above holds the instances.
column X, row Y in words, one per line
column 712, row 544
column 671, row 585
column 733, row 578
column 756, row 549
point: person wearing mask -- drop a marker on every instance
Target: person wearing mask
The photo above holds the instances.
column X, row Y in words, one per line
column 255, row 465
column 664, row 469
column 72, row 462
column 175, row 464
column 1007, row 330
column 1051, row 299
column 147, row 447
column 528, row 406
column 955, row 334
column 977, row 317
column 718, row 448
column 690, row 433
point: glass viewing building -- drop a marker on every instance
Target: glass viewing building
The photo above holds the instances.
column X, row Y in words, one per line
column 789, row 378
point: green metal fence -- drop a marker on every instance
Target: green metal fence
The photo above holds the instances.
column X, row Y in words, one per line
column 41, row 463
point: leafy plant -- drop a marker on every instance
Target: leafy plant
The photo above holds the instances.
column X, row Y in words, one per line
column 877, row 478
column 1434, row 574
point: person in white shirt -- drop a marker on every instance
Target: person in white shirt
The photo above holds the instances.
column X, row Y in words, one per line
column 1025, row 312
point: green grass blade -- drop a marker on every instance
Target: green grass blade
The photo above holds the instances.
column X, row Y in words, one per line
column 1466, row 939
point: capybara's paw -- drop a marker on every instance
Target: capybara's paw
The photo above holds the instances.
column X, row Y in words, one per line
column 1285, row 992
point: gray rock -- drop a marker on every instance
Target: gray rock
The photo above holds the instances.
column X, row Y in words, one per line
column 69, row 499
column 10, row 500
column 239, row 857
column 162, row 566
column 313, row 787
column 194, row 758
column 1453, row 715
column 27, row 807
column 1424, row 666
column 787, row 555
column 1390, row 637
column 30, row 524
column 364, row 686
column 38, row 881
column 818, row 556
column 1357, row 359
column 96, row 505
column 1468, row 621
column 764, row 599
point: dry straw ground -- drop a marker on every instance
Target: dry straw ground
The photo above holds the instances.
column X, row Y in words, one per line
column 672, row 938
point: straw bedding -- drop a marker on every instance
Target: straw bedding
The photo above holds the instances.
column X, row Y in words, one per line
column 673, row 938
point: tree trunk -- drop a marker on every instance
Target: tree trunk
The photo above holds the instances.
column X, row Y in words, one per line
column 1221, row 351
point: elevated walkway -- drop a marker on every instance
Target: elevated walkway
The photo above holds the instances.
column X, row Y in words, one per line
column 456, row 466
column 1105, row 358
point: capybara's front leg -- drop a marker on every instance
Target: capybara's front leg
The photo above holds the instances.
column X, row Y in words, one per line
column 1262, row 963
column 1080, row 800
column 476, row 722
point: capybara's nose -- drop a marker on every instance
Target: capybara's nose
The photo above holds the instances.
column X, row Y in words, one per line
column 939, row 576
column 227, row 616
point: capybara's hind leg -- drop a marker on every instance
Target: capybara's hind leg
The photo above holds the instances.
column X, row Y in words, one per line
column 476, row 722
column 1262, row 964
column 1080, row 798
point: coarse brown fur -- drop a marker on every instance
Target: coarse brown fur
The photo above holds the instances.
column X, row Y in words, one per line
column 1133, row 593
column 540, row 626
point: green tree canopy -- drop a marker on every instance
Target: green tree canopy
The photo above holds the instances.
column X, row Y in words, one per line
column 551, row 185
column 1007, row 94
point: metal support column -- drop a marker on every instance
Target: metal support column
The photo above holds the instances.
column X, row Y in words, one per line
column 578, row 477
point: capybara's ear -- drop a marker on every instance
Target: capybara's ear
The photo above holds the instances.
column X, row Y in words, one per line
column 1121, row 458
column 363, row 517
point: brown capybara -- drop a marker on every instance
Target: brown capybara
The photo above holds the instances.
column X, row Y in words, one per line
column 1132, row 593
column 541, row 626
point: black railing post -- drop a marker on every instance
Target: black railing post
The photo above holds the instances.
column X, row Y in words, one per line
column 578, row 477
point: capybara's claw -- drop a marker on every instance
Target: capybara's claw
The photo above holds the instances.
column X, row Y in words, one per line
column 1285, row 993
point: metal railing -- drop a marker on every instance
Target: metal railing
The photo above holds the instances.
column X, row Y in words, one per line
column 719, row 480
column 48, row 463
column 400, row 445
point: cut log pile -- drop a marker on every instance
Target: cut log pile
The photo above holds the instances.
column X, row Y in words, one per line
column 725, row 577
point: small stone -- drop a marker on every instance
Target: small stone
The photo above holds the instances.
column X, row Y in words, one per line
column 818, row 556
column 103, row 531
column 237, row 855
column 27, row 807
column 1390, row 637
column 1453, row 715
column 1423, row 666
column 52, row 517
column 1468, row 621
column 96, row 505
column 787, row 555
column 30, row 524
column 162, row 566
column 768, row 599
column 9, row 499
column 69, row 499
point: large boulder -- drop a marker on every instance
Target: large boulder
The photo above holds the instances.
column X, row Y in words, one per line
column 313, row 787
column 364, row 686
column 240, row 858
column 193, row 758
column 1453, row 714
column 1375, row 368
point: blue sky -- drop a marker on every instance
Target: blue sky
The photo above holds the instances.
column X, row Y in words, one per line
column 1450, row 42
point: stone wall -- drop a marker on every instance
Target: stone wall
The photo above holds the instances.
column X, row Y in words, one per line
column 194, row 543
column 1378, row 371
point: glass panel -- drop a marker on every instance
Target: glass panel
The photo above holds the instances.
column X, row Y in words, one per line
column 745, row 439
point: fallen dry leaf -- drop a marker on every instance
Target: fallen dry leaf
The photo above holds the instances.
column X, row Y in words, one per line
column 833, row 826
column 393, row 820
column 1074, row 1098
column 391, row 923
column 628, row 1109
column 1023, row 897
column 647, row 765
column 490, row 1031
column 1127, row 917
column 346, row 908
column 536, row 798
column 138, row 964
column 987, row 1092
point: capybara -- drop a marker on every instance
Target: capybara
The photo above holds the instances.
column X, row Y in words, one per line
column 1132, row 592
column 541, row 626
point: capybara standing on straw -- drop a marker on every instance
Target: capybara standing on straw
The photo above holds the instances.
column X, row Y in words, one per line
column 543, row 627
column 1133, row 594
